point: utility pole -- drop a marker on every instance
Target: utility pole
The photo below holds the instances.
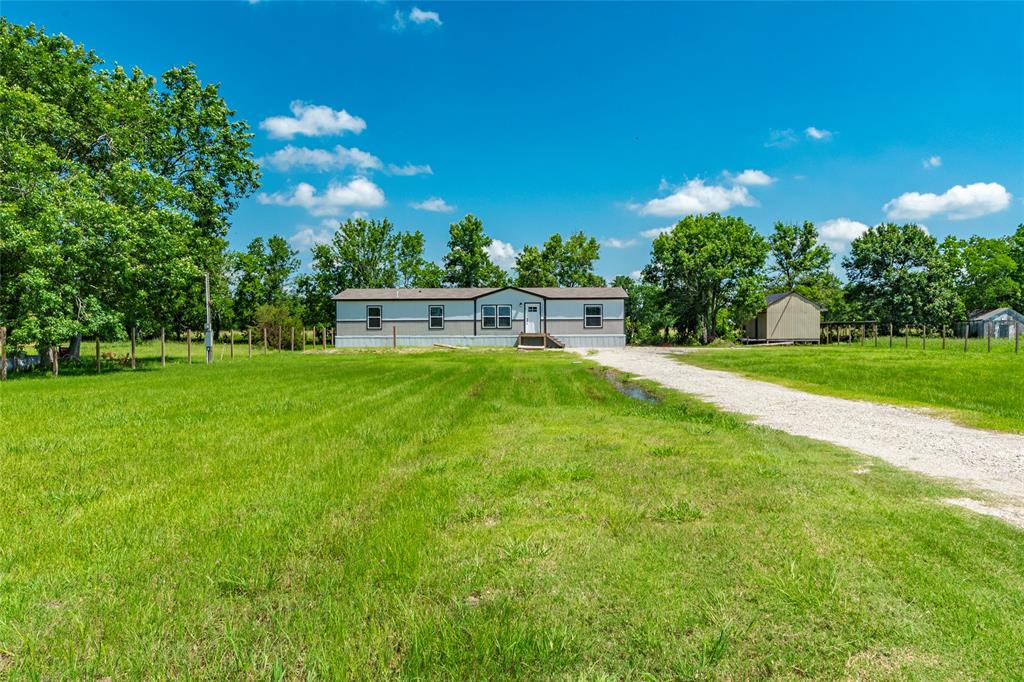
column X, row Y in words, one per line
column 209, row 324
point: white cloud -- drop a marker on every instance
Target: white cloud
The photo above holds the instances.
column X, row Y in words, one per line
column 636, row 275
column 932, row 162
column 613, row 243
column 306, row 237
column 750, row 177
column 410, row 169
column 312, row 120
column 818, row 133
column 434, row 204
column 781, row 138
column 957, row 203
column 839, row 232
column 335, row 200
column 697, row 197
column 502, row 253
column 321, row 159
column 418, row 16
column 652, row 233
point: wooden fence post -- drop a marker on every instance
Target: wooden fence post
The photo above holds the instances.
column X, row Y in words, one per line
column 890, row 335
column 1016, row 337
column 163, row 352
column 942, row 333
column 3, row 353
column 99, row 367
column 394, row 336
column 324, row 339
column 55, row 360
column 188, row 344
column 133, row 347
column 924, row 337
column 303, row 345
column 232, row 355
column 988, row 327
column 967, row 328
column 874, row 332
column 280, row 332
column 264, row 340
column 292, row 347
column 863, row 333
column 250, row 343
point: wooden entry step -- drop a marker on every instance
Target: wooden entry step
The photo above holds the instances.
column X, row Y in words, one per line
column 538, row 341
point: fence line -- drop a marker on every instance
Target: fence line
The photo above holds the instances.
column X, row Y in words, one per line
column 53, row 357
column 844, row 332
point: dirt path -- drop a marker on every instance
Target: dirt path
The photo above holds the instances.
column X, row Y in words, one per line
column 905, row 437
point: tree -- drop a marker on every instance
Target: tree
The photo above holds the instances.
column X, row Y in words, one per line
column 467, row 263
column 987, row 273
column 648, row 314
column 703, row 263
column 897, row 275
column 534, row 268
column 798, row 258
column 560, row 263
column 116, row 192
column 367, row 254
column 262, row 275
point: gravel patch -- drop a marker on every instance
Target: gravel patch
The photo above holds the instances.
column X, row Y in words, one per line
column 906, row 437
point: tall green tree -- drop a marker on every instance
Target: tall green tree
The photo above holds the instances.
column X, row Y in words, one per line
column 467, row 263
column 987, row 274
column 117, row 191
column 648, row 313
column 262, row 275
column 798, row 258
column 703, row 264
column 897, row 275
column 560, row 263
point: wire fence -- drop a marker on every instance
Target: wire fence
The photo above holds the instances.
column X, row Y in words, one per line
column 101, row 355
column 964, row 335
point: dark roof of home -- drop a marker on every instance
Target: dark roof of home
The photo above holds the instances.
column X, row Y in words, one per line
column 461, row 293
column 983, row 314
column 775, row 298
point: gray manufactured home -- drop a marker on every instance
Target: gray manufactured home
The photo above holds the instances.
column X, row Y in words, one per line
column 571, row 317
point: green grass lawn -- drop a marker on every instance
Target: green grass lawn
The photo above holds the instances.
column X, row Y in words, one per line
column 977, row 388
column 469, row 515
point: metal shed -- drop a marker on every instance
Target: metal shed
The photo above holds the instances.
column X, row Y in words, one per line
column 1003, row 323
column 786, row 317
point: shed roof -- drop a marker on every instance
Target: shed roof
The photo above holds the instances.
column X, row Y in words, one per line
column 468, row 293
column 771, row 299
column 982, row 314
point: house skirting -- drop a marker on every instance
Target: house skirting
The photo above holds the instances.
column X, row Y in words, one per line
column 490, row 340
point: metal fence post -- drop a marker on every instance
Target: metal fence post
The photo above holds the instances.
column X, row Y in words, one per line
column 3, row 353
column 163, row 352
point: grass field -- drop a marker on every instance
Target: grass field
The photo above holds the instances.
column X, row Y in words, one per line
column 977, row 388
column 469, row 515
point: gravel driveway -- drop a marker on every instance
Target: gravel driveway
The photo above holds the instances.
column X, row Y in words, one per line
column 905, row 437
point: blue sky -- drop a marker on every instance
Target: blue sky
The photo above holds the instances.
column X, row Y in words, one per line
column 611, row 118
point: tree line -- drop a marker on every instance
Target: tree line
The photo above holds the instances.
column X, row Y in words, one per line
column 709, row 274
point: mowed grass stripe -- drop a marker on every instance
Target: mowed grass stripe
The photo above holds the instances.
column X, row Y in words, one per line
column 471, row 515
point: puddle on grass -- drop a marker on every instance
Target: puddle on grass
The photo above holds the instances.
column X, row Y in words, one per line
column 631, row 390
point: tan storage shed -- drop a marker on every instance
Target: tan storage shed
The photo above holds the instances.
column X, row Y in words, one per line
column 786, row 317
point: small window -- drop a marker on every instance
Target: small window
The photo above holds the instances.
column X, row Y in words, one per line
column 593, row 316
column 373, row 317
column 504, row 317
column 488, row 316
column 436, row 315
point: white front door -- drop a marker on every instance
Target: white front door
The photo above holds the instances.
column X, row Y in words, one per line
column 532, row 318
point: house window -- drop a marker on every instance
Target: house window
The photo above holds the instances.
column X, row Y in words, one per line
column 436, row 315
column 488, row 316
column 593, row 316
column 373, row 317
column 496, row 316
column 504, row 317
